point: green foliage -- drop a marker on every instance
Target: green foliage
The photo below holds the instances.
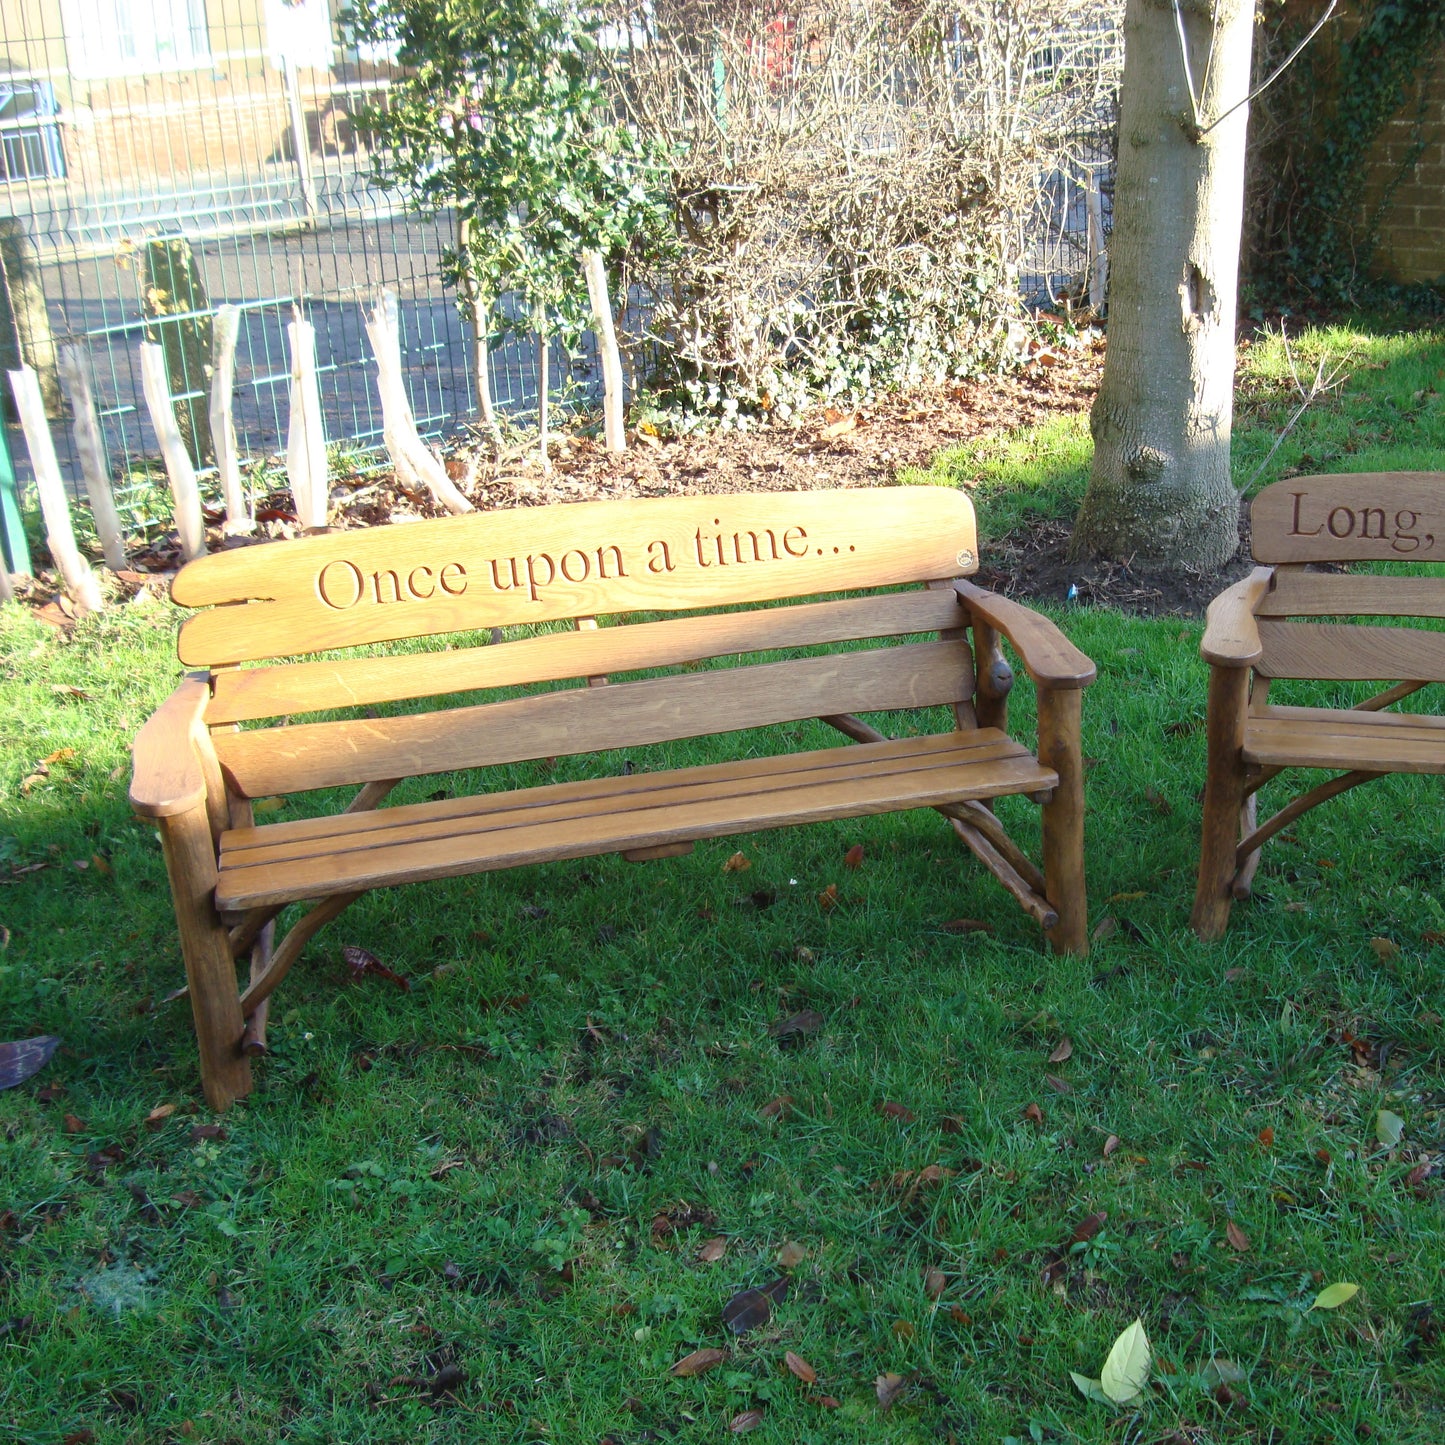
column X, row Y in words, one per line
column 500, row 116
column 1318, row 235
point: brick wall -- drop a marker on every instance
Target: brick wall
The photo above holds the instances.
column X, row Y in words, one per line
column 1412, row 230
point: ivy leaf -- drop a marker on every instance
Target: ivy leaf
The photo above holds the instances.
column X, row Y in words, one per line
column 1332, row 1296
column 1126, row 1371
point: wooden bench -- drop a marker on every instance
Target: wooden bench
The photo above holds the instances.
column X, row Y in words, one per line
column 1271, row 626
column 201, row 760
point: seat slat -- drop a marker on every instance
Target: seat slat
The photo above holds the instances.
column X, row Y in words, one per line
column 244, row 694
column 881, row 777
column 1332, row 738
column 1343, row 652
column 419, row 822
column 631, row 714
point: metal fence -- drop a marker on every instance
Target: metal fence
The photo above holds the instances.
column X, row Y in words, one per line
column 228, row 125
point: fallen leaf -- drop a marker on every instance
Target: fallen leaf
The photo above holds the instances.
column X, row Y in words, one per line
column 1058, row 1085
column 904, row 1330
column 841, row 427
column 1238, row 1239
column 1389, row 1128
column 1034, row 1115
column 1089, row 1226
column 698, row 1362
column 828, row 898
column 951, row 1124
column 888, row 1388
column 791, row 1254
column 749, row 1308
column 360, row 963
column 24, row 1058
column 738, row 863
column 1104, row 929
column 934, row 1283
column 1419, row 1174
column 778, row 1108
column 1090, row 1389
column 966, row 925
column 1063, row 1052
column 68, row 689
column 1158, row 802
column 1384, row 949
column 748, row 1420
column 853, row 858
column 1132, row 897
column 268, row 805
column 801, row 1368
column 712, row 1250
column 1334, row 1295
column 1110, row 1144
column 202, row 1133
column 1266, row 1136
column 805, row 1021
column 901, row 1112
column 60, row 755
column 1126, row 1371
column 158, row 1116
column 73, row 1125
column 828, row 1402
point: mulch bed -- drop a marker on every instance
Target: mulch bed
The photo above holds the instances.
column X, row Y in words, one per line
column 864, row 448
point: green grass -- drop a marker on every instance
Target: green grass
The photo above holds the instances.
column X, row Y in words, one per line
column 510, row 1168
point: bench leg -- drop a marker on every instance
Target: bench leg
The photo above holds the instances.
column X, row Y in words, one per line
column 210, row 967
column 1224, row 784
column 1060, row 712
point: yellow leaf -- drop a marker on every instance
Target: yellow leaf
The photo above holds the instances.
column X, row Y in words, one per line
column 1389, row 1128
column 1332, row 1296
column 1126, row 1371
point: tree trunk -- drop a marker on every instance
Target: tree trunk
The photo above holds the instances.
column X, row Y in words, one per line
column 1160, row 491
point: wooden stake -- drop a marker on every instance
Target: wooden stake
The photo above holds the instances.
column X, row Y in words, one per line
column 415, row 462
column 1099, row 268
column 184, row 489
column 94, row 464
column 613, row 429
column 80, row 581
column 223, row 427
column 306, row 436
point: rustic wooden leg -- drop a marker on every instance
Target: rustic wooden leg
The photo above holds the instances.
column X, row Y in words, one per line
column 1224, row 788
column 1243, row 884
column 254, row 1042
column 1060, row 712
column 210, row 967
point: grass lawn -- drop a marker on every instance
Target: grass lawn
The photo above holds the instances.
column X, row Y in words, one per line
column 501, row 1205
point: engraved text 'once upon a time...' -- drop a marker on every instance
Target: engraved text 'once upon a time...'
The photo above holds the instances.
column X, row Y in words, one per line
column 343, row 584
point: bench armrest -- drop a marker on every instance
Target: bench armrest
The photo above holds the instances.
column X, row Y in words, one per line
column 166, row 776
column 1048, row 656
column 1231, row 635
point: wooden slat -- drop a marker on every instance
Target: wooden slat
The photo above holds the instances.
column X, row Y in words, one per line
column 244, row 694
column 674, row 811
column 1326, row 594
column 422, row 822
column 1369, row 742
column 1371, row 516
column 584, row 559
column 1342, row 652
column 631, row 714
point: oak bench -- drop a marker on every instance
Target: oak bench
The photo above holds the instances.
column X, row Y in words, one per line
column 229, row 734
column 1289, row 620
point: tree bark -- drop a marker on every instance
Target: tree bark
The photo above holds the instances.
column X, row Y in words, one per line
column 1160, row 491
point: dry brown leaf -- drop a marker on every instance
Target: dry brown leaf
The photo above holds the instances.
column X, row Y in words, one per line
column 805, row 1021
column 746, row 1310
column 1266, row 1136
column 888, row 1389
column 841, row 427
column 748, row 1420
column 778, row 1108
column 828, row 1402
column 828, row 898
column 159, row 1115
column 934, row 1283
column 698, row 1362
column 73, row 1125
column 1384, row 949
column 1058, row 1085
column 1063, row 1052
column 1034, row 1115
column 1104, row 929
column 60, row 755
column 853, row 858
column 1110, row 1144
column 901, row 1112
column 1089, row 1226
column 712, row 1250
column 791, row 1254
column 1238, row 1239
column 904, row 1330
column 738, row 863
column 801, row 1368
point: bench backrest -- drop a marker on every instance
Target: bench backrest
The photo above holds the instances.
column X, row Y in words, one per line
column 573, row 562
column 1366, row 517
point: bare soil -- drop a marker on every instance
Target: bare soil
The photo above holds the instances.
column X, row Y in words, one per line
column 864, row 448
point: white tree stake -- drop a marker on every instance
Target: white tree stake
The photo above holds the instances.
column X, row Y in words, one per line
column 190, row 524
column 90, row 447
column 415, row 462
column 306, row 434
column 1099, row 266
column 223, row 426
column 80, row 581
column 613, row 429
